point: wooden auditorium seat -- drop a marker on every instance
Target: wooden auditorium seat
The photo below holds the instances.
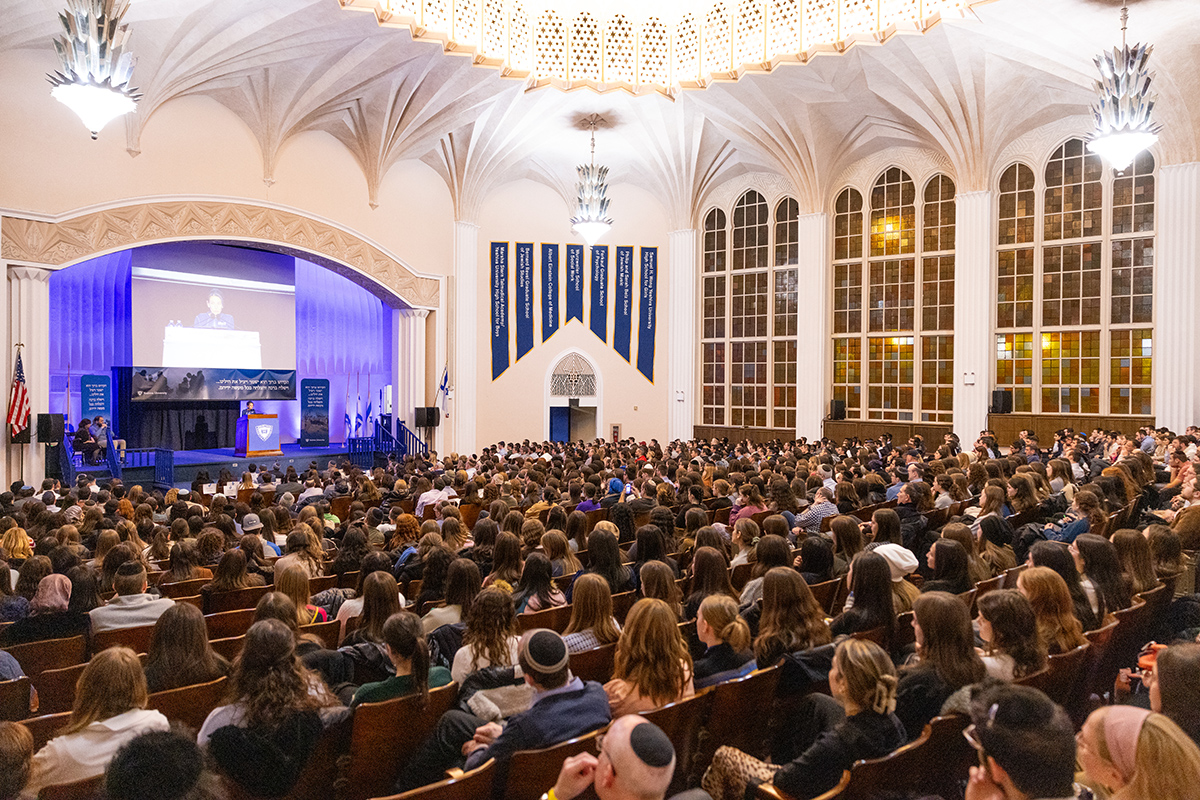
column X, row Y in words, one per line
column 215, row 602
column 556, row 619
column 682, row 722
column 733, row 720
column 183, row 588
column 532, row 772
column 826, row 593
column 190, row 705
column 35, row 657
column 224, row 624
column 136, row 639
column 14, row 699
column 466, row 786
column 86, row 789
column 45, row 727
column 595, row 664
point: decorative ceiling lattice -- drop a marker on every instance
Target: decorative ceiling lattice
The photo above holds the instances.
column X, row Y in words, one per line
column 573, row 377
column 713, row 40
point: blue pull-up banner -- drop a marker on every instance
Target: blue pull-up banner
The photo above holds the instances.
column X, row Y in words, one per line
column 623, row 301
column 549, row 290
column 574, row 282
column 648, row 322
column 600, row 292
column 499, row 308
column 524, row 299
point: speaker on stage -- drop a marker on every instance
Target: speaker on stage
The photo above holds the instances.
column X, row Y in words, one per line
column 1002, row 401
column 50, row 428
column 837, row 409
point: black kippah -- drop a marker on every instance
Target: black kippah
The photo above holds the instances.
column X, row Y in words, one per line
column 545, row 651
column 651, row 745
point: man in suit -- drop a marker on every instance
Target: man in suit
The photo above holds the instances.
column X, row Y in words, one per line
column 132, row 606
column 214, row 318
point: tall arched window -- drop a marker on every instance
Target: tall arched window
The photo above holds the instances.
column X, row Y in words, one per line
column 750, row 315
column 906, row 283
column 1078, row 287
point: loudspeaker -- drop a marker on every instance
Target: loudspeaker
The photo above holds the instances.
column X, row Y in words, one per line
column 573, row 402
column 837, row 409
column 419, row 420
column 1002, row 401
column 50, row 428
column 427, row 416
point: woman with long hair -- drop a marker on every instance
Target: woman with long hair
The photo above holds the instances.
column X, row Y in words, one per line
column 885, row 526
column 380, row 601
column 536, row 590
column 744, row 539
column 991, row 504
column 506, row 561
column 869, row 605
column 995, row 537
column 15, row 544
column 1137, row 754
column 950, row 565
column 463, row 582
column 946, row 659
column 232, row 574
column 491, row 637
column 351, row 553
column 651, row 545
column 1047, row 594
column 1100, row 567
column 710, row 575
column 433, row 577
column 299, row 552
column 179, row 653
column 558, row 550
column 725, row 635
column 1086, row 515
column 293, row 582
column 1059, row 559
column 1021, row 495
column 772, row 551
column 653, row 666
column 409, row 654
column 604, row 559
column 576, row 531
column 790, row 620
column 750, row 502
column 1012, row 645
column 863, row 682
column 109, row 710
column 847, row 535
column 185, row 564
column 1062, row 479
column 657, row 580
column 977, row 570
column 592, row 623
column 1137, row 562
column 30, row 575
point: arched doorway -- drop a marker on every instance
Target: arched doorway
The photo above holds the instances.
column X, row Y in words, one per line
column 572, row 395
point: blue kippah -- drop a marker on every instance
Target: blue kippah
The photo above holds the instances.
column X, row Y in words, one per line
column 615, row 485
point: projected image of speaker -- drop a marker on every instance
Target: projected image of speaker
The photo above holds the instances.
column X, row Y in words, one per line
column 837, row 409
column 1002, row 401
column 50, row 427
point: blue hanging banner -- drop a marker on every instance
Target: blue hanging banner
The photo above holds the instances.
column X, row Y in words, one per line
column 574, row 282
column 314, row 412
column 600, row 292
column 499, row 308
column 648, row 321
column 549, row 290
column 95, row 392
column 524, row 299
column 623, row 301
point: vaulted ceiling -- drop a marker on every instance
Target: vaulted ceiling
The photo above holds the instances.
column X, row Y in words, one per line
column 965, row 90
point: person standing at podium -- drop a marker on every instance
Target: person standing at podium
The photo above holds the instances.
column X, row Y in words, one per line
column 214, row 318
column 249, row 409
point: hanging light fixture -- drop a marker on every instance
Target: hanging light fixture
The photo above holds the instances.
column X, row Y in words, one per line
column 591, row 220
column 94, row 79
column 1123, row 127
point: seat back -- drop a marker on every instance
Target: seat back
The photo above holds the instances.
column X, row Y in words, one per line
column 86, row 789
column 470, row 514
column 877, row 635
column 14, row 699
column 1130, row 634
column 215, row 602
column 317, row 779
column 56, row 688
column 136, row 639
column 902, row 770
column 182, row 588
column 682, row 721
column 904, row 633
column 1011, row 575
column 594, row 516
column 739, row 576
column 340, row 506
column 320, row 584
column 327, row 632
column 1064, row 681
column 826, row 593
column 556, row 619
column 595, row 664
column 531, row 771
column 947, row 757
column 190, row 704
column 45, row 727
column 35, row 657
column 622, row 602
column 229, row 623
column 229, row 647
column 990, row 585
column 384, row 736
column 468, row 786
column 968, row 597
column 348, row 580
column 732, row 721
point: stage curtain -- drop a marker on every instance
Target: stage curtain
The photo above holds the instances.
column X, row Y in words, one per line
column 158, row 425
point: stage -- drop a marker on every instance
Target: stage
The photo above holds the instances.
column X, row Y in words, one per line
column 190, row 462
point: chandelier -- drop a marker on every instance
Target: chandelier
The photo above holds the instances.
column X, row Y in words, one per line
column 94, row 79
column 591, row 220
column 1123, row 127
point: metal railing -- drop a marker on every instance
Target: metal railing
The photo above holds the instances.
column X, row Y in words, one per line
column 410, row 442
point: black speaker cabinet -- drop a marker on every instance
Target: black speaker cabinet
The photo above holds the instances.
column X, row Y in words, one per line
column 428, row 416
column 49, row 427
column 837, row 409
column 1002, row 401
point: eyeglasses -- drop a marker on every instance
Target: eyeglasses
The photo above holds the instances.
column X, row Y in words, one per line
column 600, row 751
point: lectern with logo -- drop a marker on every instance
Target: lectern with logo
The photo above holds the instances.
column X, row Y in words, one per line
column 257, row 435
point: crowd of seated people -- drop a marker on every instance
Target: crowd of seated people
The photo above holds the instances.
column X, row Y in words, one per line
column 697, row 563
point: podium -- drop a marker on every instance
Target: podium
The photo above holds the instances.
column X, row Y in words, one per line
column 209, row 348
column 257, row 435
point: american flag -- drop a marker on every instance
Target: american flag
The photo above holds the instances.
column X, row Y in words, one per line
column 18, row 401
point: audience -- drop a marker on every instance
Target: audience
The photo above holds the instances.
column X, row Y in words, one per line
column 638, row 763
column 1135, row 754
column 409, row 654
column 592, row 623
column 179, row 653
column 727, row 639
column 791, row 619
column 16, row 759
column 653, row 666
column 133, row 606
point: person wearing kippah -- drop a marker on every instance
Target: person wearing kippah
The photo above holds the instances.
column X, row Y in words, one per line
column 563, row 707
column 133, row 606
column 635, row 761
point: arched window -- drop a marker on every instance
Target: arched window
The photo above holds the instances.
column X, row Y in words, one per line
column 786, row 291
column 712, row 348
column 1082, row 293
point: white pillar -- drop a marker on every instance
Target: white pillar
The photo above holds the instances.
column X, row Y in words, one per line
column 29, row 323
column 682, row 333
column 975, row 238
column 813, row 345
column 1177, row 297
column 410, row 363
column 464, row 333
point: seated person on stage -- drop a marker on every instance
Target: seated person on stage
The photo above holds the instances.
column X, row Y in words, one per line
column 103, row 435
column 214, row 318
column 563, row 707
column 84, row 442
column 636, row 760
column 132, row 606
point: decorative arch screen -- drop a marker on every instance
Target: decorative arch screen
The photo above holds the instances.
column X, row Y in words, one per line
column 1075, row 282
column 903, row 275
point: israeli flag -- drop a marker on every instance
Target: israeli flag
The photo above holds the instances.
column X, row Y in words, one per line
column 444, row 390
column 358, row 417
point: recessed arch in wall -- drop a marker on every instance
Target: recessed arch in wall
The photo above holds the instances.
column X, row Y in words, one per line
column 573, row 375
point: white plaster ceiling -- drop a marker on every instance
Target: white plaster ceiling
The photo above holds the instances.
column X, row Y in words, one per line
column 964, row 90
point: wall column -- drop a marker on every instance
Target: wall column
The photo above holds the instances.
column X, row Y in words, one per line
column 410, row 363
column 974, row 222
column 813, row 346
column 29, row 322
column 1176, row 391
column 463, row 334
column 682, row 334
